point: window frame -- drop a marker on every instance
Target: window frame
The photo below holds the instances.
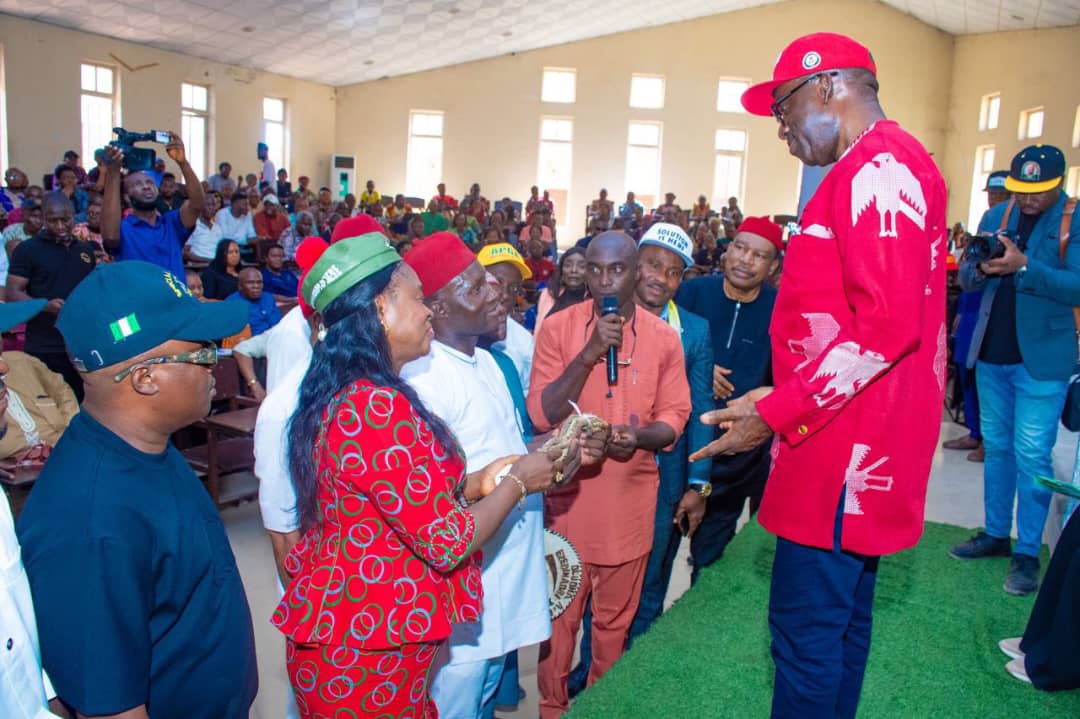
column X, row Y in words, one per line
column 738, row 108
column 652, row 192
column 281, row 155
column 414, row 183
column 648, row 76
column 990, row 112
column 1024, row 132
column 544, row 87
column 977, row 199
column 188, row 112
column 562, row 214
column 87, row 146
column 719, row 199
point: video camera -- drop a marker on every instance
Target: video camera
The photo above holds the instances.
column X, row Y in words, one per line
column 986, row 246
column 138, row 159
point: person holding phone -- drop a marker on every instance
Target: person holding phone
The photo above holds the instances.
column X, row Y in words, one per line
column 147, row 234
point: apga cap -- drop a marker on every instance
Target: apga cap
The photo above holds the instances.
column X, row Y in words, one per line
column 995, row 181
column 13, row 314
column 808, row 55
column 503, row 252
column 765, row 228
column 343, row 265
column 127, row 308
column 437, row 259
column 1037, row 168
column 670, row 237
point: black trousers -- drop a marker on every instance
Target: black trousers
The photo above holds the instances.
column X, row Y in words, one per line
column 1051, row 641
column 59, row 363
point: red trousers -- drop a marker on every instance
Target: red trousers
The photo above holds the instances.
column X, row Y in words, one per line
column 344, row 682
column 615, row 592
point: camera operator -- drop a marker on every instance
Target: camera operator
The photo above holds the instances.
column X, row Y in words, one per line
column 1026, row 349
column 147, row 234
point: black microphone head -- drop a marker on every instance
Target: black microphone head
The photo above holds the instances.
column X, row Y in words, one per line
column 610, row 305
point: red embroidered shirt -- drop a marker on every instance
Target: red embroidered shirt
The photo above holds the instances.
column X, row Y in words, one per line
column 389, row 563
column 858, row 350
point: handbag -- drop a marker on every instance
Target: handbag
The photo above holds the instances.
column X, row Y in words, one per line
column 1070, row 415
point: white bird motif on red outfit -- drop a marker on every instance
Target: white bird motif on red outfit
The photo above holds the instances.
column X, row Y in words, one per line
column 823, row 330
column 891, row 187
column 848, row 368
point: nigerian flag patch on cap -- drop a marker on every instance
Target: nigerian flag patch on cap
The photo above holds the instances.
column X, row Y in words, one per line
column 124, row 327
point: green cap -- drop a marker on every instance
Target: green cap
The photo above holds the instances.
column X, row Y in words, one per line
column 343, row 265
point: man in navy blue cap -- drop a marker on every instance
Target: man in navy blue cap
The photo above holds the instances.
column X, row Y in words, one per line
column 140, row 605
column 1024, row 350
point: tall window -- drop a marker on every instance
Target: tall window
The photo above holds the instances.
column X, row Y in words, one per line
column 1031, row 123
column 560, row 85
column 194, row 112
column 4, row 163
column 1076, row 129
column 729, row 95
column 643, row 161
column 1072, row 182
column 555, row 164
column 647, row 92
column 423, row 164
column 99, row 112
column 275, row 134
column 990, row 111
column 729, row 171
column 984, row 165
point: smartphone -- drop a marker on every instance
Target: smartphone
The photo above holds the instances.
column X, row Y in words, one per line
column 161, row 136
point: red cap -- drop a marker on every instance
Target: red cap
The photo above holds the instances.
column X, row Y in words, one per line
column 809, row 55
column 308, row 253
column 437, row 259
column 765, row 228
column 361, row 224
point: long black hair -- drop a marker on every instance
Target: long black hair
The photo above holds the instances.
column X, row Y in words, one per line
column 220, row 263
column 565, row 297
column 355, row 348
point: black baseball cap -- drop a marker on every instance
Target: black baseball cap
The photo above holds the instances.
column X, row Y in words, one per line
column 995, row 181
column 124, row 309
column 1037, row 168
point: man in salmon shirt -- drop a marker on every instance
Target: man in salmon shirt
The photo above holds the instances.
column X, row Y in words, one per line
column 858, row 347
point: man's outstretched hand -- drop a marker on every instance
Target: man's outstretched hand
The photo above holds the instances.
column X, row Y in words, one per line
column 745, row 427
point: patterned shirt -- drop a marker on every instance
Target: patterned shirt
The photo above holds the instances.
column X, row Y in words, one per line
column 389, row 564
column 859, row 351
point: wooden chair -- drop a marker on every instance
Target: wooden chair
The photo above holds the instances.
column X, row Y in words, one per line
column 230, row 434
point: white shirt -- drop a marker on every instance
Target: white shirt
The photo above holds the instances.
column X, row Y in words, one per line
column 519, row 346
column 269, row 174
column 22, row 683
column 238, row 229
column 204, row 240
column 470, row 395
column 288, row 346
column 277, row 496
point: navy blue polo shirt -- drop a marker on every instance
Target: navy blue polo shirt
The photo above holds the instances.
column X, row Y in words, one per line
column 136, row 590
column 159, row 244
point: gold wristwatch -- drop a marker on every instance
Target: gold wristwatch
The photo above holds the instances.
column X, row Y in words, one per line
column 702, row 488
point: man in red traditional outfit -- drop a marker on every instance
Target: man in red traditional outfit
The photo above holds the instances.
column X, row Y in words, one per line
column 858, row 347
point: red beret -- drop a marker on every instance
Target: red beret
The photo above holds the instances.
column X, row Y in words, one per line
column 764, row 227
column 437, row 259
column 361, row 224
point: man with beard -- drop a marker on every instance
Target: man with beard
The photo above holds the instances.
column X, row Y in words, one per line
column 738, row 306
column 147, row 234
column 608, row 516
column 858, row 349
column 49, row 266
column 463, row 385
column 509, row 269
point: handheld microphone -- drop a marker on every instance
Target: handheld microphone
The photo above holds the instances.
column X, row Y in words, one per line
column 610, row 307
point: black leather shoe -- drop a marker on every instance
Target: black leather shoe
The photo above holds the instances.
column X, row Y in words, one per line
column 1023, row 576
column 980, row 546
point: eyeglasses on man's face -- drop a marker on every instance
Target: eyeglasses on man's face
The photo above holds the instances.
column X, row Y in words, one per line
column 777, row 108
column 207, row 355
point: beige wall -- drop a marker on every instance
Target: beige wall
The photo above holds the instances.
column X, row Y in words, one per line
column 1029, row 69
column 41, row 65
column 492, row 107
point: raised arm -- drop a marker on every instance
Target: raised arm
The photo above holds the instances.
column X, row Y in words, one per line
column 111, row 210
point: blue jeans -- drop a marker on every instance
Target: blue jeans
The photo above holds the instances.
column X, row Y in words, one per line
column 820, row 616
column 1018, row 416
column 966, row 378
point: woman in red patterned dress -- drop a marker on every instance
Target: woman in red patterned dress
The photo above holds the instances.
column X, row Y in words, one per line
column 387, row 563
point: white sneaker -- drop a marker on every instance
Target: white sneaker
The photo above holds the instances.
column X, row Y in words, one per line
column 1011, row 648
column 1017, row 669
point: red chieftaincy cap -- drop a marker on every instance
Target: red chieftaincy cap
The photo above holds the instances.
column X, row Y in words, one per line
column 765, row 228
column 354, row 227
column 437, row 259
column 308, row 253
column 809, row 55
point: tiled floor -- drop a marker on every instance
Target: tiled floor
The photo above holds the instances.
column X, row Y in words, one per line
column 954, row 497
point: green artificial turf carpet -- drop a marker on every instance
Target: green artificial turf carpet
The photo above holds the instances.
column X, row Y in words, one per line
column 937, row 622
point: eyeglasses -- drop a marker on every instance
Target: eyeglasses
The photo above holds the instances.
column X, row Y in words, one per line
column 775, row 108
column 207, row 355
